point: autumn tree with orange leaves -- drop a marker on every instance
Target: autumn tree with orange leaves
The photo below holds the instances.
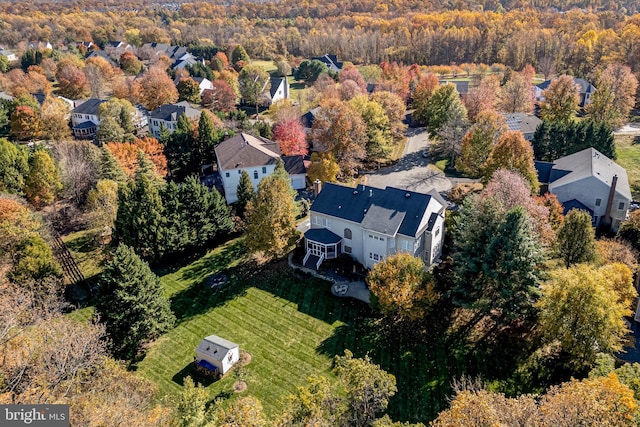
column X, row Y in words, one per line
column 127, row 155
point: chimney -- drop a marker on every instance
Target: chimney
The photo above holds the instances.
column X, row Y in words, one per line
column 608, row 220
column 317, row 187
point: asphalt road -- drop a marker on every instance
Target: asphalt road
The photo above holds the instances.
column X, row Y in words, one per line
column 413, row 172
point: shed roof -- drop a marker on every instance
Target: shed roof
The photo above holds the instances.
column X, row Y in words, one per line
column 216, row 347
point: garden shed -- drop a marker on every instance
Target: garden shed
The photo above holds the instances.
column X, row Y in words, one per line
column 218, row 353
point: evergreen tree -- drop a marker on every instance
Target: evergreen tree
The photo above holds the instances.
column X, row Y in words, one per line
column 271, row 215
column 110, row 169
column 443, row 104
column 554, row 140
column 140, row 222
column 177, row 233
column 207, row 139
column 576, row 238
column 131, row 303
column 181, row 150
column 244, row 193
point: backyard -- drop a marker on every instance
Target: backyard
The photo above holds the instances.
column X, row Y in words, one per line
column 628, row 150
column 292, row 327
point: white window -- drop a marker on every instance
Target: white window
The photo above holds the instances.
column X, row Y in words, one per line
column 437, row 232
column 621, row 206
column 239, row 172
column 227, row 174
column 598, row 202
column 255, row 174
column 347, row 249
column 264, row 169
column 376, row 257
column 382, row 239
column 404, row 245
column 348, row 234
column 321, row 221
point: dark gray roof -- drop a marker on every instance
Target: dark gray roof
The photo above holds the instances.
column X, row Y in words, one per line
column 322, row 235
column 172, row 112
column 330, row 61
column 525, row 123
column 387, row 211
column 100, row 54
column 294, row 165
column 308, row 117
column 461, row 86
column 572, row 204
column 275, row 84
column 244, row 150
column 90, row 106
column 85, row 125
column 544, row 171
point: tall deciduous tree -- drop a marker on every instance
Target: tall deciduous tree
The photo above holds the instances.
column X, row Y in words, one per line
column 571, row 312
column 401, row 288
column 338, row 129
column 291, row 137
column 515, row 96
column 479, row 141
column 14, row 167
column 43, row 182
column 368, row 388
column 131, row 303
column 560, row 100
column 395, row 110
column 102, row 205
column 156, row 88
column 54, row 116
column 271, row 215
column 323, row 167
column 448, row 143
column 576, row 238
column 513, row 152
column 220, row 98
column 253, row 82
column 72, row 83
column 482, row 97
column 442, row 105
column 188, row 90
column 378, row 129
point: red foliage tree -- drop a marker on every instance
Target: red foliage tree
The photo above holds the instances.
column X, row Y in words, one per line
column 291, row 137
column 350, row 72
column 72, row 83
column 220, row 98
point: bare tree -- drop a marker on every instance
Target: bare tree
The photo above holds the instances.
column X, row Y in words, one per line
column 79, row 168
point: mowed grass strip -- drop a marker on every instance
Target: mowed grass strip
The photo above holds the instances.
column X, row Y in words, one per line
column 628, row 151
column 281, row 321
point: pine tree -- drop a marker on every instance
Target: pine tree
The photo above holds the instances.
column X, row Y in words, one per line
column 140, row 222
column 271, row 215
column 576, row 238
column 131, row 304
column 244, row 193
column 110, row 169
column 176, row 232
column 207, row 138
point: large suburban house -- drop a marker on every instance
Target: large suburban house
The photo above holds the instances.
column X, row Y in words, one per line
column 522, row 122
column 84, row 118
column 258, row 157
column 331, row 61
column 585, row 90
column 167, row 115
column 370, row 224
column 590, row 181
column 203, row 82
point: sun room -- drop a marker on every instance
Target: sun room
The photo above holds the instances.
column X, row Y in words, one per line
column 321, row 244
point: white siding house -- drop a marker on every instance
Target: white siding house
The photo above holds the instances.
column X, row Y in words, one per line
column 370, row 224
column 167, row 115
column 590, row 181
column 220, row 353
column 258, row 157
column 84, row 118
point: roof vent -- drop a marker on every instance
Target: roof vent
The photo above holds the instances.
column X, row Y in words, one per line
column 370, row 193
column 407, row 195
column 355, row 192
column 340, row 207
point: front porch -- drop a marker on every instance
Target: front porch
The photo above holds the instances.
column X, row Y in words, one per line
column 320, row 244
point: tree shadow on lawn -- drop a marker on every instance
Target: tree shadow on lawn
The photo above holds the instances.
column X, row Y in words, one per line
column 425, row 358
column 200, row 297
column 191, row 371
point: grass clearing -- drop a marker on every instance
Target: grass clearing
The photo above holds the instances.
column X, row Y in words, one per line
column 628, row 151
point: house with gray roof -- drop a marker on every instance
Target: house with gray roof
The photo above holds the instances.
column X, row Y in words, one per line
column 258, row 157
column 590, row 181
column 279, row 89
column 370, row 224
column 331, row 61
column 167, row 115
column 215, row 352
column 522, row 122
column 84, row 118
column 584, row 88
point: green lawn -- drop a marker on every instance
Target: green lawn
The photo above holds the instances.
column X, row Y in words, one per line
column 292, row 328
column 629, row 158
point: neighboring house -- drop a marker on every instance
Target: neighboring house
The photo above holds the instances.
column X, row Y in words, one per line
column 167, row 115
column 6, row 97
column 116, row 48
column 522, row 122
column 41, row 97
column 258, row 157
column 11, row 56
column 591, row 181
column 218, row 353
column 84, row 118
column 585, row 90
column 370, row 224
column 279, row 89
column 331, row 61
column 308, row 117
column 38, row 45
column 101, row 54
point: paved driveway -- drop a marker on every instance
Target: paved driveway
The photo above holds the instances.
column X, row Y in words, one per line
column 413, row 172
